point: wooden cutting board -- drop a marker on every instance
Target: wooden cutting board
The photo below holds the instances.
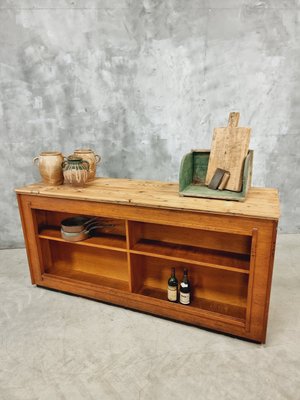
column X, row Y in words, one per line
column 228, row 151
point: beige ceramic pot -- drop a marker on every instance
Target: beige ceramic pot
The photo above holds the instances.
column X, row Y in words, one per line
column 50, row 167
column 92, row 158
column 75, row 171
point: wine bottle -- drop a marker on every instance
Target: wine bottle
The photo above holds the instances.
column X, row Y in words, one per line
column 172, row 287
column 185, row 289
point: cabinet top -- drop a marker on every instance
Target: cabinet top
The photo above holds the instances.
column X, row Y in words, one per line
column 260, row 202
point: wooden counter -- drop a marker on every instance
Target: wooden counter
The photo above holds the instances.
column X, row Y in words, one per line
column 261, row 202
column 227, row 247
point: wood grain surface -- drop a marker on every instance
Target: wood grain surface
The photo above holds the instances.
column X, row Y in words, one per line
column 260, row 202
column 228, row 151
column 229, row 257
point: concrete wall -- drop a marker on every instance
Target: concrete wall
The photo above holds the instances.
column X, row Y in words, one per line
column 143, row 82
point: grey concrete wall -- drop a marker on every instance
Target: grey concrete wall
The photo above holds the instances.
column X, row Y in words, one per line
column 143, row 82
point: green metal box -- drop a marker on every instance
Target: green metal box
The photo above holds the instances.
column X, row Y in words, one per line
column 192, row 176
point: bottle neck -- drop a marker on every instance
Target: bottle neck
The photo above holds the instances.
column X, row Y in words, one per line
column 185, row 277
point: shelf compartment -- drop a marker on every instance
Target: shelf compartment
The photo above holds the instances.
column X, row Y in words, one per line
column 215, row 291
column 49, row 225
column 195, row 255
column 207, row 248
column 205, row 239
column 83, row 277
column 92, row 265
column 103, row 241
column 199, row 304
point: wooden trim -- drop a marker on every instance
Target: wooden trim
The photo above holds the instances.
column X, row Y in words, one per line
column 269, row 284
column 30, row 235
column 130, row 276
column 251, row 278
column 26, row 237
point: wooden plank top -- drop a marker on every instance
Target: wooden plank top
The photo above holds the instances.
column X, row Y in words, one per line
column 260, row 202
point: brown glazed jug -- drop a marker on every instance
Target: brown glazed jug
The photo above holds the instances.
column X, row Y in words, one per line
column 75, row 171
column 49, row 163
column 92, row 158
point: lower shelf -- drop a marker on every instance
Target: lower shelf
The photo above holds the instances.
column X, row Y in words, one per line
column 93, row 279
column 234, row 311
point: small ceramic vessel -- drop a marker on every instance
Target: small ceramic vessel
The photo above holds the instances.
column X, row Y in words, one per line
column 50, row 167
column 92, row 158
column 75, row 171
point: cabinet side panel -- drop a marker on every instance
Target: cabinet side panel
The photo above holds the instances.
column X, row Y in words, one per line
column 262, row 282
column 270, row 275
column 29, row 232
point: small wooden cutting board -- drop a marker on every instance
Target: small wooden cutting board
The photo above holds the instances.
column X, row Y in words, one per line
column 228, row 151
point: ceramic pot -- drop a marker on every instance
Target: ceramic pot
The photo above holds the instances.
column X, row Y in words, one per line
column 75, row 170
column 92, row 158
column 49, row 163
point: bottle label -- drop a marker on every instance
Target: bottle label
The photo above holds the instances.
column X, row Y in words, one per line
column 185, row 298
column 172, row 293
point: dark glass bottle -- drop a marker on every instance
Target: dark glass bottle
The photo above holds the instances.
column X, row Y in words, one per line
column 185, row 289
column 172, row 287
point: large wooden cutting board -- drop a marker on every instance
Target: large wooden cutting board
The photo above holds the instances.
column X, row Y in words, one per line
column 228, row 151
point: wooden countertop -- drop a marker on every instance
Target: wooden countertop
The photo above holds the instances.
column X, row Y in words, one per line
column 260, row 203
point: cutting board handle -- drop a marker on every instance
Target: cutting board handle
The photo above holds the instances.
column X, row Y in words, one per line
column 233, row 119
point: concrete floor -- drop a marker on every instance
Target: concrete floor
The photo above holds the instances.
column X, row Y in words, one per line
column 57, row 346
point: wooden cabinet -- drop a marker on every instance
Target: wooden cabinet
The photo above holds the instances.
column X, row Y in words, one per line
column 227, row 247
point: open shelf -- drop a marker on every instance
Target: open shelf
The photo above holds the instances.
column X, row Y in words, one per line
column 97, row 266
column 238, row 312
column 220, row 250
column 103, row 241
column 108, row 237
column 195, row 255
column 215, row 291
column 94, row 279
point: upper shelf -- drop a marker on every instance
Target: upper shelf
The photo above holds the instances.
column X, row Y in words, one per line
column 105, row 241
column 194, row 255
column 260, row 202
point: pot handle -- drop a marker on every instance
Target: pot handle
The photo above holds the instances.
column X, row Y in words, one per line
column 91, row 224
column 91, row 221
column 35, row 159
column 87, row 163
column 63, row 164
column 98, row 227
column 97, row 158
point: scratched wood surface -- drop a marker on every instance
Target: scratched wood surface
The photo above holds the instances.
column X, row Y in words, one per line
column 260, row 202
column 228, row 151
